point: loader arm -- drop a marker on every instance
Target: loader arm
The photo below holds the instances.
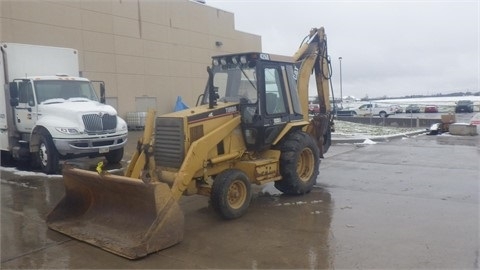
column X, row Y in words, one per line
column 197, row 159
column 143, row 160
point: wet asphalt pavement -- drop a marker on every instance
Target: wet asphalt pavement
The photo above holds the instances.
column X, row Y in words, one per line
column 403, row 204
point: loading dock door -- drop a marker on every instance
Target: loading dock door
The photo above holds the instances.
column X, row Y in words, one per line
column 142, row 104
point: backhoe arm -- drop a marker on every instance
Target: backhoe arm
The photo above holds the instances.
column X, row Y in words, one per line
column 312, row 56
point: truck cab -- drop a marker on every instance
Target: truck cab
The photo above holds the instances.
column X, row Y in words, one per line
column 50, row 116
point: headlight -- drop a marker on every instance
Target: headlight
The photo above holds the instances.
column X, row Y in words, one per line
column 69, row 131
column 121, row 124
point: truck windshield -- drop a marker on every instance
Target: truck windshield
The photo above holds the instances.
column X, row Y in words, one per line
column 56, row 89
column 235, row 84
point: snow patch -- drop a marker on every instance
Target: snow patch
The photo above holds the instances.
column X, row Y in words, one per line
column 270, row 189
column 28, row 173
column 367, row 142
column 25, row 185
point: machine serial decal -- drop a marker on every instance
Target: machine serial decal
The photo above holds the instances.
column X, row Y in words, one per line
column 213, row 114
column 231, row 109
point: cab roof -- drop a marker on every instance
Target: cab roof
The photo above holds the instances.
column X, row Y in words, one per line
column 256, row 56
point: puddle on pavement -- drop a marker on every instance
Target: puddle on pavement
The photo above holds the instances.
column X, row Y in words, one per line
column 458, row 140
column 26, row 200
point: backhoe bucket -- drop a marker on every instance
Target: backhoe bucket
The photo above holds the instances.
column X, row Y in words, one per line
column 122, row 215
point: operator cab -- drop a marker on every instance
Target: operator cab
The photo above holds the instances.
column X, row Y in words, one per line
column 264, row 87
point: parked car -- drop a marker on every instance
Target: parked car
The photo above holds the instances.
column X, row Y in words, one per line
column 398, row 108
column 464, row 106
column 347, row 111
column 412, row 108
column 375, row 109
column 431, row 109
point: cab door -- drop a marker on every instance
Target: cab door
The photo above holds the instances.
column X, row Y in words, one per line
column 25, row 113
column 275, row 107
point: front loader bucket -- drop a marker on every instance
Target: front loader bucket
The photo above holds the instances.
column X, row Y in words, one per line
column 119, row 214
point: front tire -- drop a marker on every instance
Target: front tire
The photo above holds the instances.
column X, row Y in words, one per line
column 383, row 114
column 114, row 156
column 47, row 156
column 231, row 195
column 299, row 163
column 6, row 158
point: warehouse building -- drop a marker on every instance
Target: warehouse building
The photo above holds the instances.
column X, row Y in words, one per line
column 148, row 52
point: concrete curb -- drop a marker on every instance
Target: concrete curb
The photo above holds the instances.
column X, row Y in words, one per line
column 384, row 138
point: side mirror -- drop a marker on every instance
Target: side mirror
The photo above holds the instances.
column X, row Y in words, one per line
column 102, row 90
column 13, row 88
column 102, row 93
column 14, row 102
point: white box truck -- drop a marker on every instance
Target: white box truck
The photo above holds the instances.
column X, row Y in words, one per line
column 48, row 113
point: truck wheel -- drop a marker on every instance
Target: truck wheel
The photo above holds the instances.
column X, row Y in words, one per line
column 299, row 162
column 383, row 114
column 231, row 194
column 114, row 156
column 46, row 155
column 6, row 158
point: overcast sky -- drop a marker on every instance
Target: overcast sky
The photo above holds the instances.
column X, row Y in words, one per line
column 392, row 48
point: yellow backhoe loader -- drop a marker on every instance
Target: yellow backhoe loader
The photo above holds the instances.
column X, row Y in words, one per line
column 251, row 126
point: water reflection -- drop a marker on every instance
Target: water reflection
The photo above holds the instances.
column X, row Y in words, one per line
column 278, row 231
column 25, row 201
column 458, row 140
column 300, row 225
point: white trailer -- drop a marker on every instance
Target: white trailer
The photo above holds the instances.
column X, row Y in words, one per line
column 48, row 113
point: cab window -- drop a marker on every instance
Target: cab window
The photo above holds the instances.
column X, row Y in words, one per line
column 25, row 93
column 275, row 100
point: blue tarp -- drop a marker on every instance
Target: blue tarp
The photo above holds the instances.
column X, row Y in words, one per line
column 179, row 105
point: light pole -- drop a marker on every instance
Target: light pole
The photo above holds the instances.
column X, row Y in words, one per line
column 341, row 94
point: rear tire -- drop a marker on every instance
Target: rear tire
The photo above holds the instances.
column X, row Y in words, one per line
column 114, row 156
column 47, row 156
column 299, row 163
column 231, row 195
column 383, row 114
column 327, row 140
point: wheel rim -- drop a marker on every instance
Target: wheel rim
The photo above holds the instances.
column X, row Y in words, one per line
column 305, row 164
column 237, row 194
column 43, row 155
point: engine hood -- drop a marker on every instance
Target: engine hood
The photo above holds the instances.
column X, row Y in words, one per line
column 75, row 108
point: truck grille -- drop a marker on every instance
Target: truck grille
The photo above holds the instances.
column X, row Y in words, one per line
column 169, row 142
column 99, row 123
